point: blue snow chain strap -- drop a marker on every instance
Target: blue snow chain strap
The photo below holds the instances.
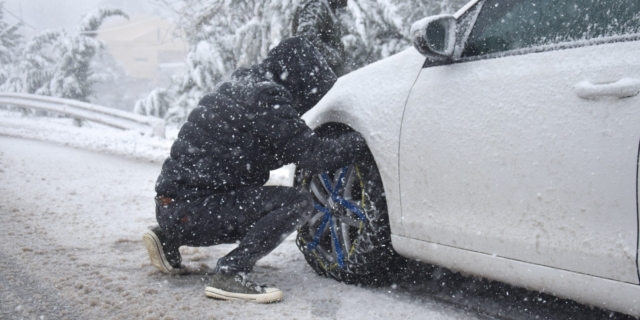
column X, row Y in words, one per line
column 327, row 216
column 337, row 245
column 336, row 198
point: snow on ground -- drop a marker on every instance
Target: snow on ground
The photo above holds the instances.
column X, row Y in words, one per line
column 91, row 136
column 70, row 240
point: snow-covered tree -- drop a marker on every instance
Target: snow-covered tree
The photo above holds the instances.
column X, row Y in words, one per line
column 10, row 45
column 223, row 35
column 156, row 104
column 376, row 29
column 226, row 34
column 61, row 64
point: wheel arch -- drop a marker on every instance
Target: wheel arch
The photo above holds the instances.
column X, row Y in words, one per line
column 389, row 181
column 333, row 128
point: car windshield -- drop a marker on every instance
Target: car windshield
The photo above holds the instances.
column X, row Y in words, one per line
column 513, row 24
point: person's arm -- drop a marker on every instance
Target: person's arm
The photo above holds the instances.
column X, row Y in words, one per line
column 316, row 24
column 294, row 142
column 311, row 20
column 324, row 154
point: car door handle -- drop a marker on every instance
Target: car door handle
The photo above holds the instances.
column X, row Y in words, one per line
column 623, row 88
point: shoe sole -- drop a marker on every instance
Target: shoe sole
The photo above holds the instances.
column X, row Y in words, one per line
column 156, row 254
column 269, row 297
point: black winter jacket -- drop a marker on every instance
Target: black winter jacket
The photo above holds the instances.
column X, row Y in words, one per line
column 251, row 125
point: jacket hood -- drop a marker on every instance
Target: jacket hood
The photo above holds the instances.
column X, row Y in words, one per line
column 337, row 4
column 296, row 65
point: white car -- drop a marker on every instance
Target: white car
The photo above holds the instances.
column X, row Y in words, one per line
column 504, row 144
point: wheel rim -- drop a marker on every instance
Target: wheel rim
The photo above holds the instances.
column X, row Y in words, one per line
column 339, row 214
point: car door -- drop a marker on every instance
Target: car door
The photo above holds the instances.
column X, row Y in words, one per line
column 526, row 146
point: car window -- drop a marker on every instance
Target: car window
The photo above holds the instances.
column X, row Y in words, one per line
column 504, row 25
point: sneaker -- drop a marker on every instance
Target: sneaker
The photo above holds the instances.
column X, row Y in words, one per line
column 163, row 255
column 230, row 286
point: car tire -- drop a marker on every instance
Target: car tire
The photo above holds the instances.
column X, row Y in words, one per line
column 352, row 245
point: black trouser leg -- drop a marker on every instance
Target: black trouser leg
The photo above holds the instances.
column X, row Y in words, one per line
column 290, row 209
column 260, row 217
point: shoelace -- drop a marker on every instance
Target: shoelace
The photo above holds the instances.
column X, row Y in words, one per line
column 244, row 281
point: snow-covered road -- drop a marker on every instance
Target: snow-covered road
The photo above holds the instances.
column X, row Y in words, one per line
column 70, row 247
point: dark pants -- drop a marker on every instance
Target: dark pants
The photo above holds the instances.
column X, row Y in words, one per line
column 260, row 218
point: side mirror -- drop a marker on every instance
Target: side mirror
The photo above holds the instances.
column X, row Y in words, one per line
column 435, row 37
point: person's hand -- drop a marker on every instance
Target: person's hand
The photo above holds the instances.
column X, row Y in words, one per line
column 357, row 145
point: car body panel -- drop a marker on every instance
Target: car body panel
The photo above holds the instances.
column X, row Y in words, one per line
column 501, row 156
column 371, row 101
column 609, row 294
column 496, row 167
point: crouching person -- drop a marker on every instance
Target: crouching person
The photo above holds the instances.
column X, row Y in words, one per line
column 210, row 190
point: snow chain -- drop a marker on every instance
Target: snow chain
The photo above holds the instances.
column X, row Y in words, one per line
column 353, row 245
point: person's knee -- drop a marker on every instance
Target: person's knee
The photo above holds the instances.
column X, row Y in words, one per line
column 298, row 202
column 303, row 200
column 303, row 207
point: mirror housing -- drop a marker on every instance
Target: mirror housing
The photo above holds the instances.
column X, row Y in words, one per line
column 435, row 37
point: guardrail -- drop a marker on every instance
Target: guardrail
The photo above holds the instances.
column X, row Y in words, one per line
column 87, row 111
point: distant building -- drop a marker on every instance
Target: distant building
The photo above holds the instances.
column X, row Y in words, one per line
column 148, row 51
column 146, row 48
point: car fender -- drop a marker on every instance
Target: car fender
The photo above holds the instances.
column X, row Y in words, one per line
column 371, row 101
